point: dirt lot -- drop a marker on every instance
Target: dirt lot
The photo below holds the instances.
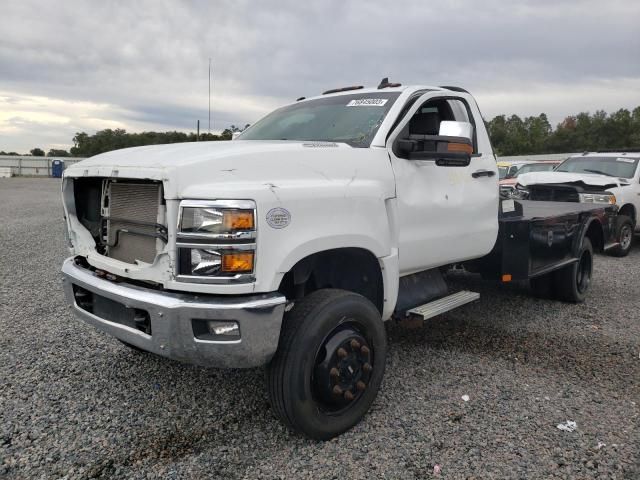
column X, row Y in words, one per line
column 76, row 403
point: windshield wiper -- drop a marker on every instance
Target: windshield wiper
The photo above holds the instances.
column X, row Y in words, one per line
column 600, row 172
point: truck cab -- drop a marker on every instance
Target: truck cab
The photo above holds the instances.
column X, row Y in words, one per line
column 290, row 246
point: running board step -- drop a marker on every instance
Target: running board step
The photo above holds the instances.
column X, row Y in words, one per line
column 442, row 305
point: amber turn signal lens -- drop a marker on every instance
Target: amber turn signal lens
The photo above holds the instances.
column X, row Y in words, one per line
column 460, row 147
column 237, row 262
column 238, row 220
column 506, row 277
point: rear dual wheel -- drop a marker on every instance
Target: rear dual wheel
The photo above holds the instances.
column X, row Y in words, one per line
column 329, row 364
column 570, row 283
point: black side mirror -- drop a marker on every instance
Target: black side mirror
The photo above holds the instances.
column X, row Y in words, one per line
column 406, row 146
column 449, row 151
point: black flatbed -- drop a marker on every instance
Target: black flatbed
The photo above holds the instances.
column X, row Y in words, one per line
column 536, row 237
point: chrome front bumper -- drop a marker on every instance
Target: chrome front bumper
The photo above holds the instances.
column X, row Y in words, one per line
column 171, row 318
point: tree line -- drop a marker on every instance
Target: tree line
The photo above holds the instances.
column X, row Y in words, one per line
column 577, row 133
column 85, row 145
column 509, row 135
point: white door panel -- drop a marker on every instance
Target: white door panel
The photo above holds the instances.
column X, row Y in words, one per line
column 445, row 215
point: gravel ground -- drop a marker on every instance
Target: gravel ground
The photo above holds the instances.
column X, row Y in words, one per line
column 76, row 403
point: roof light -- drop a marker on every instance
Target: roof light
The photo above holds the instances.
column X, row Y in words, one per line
column 343, row 89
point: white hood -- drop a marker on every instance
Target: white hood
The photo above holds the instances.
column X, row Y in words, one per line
column 189, row 170
column 537, row 178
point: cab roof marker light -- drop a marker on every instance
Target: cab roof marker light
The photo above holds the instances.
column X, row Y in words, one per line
column 343, row 89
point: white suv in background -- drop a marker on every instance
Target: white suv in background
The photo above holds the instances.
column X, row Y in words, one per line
column 612, row 178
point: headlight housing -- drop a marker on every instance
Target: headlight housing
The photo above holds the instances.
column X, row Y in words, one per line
column 608, row 198
column 520, row 192
column 216, row 241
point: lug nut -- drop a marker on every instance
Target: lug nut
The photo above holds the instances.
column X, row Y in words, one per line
column 334, row 372
column 367, row 367
column 342, row 353
column 361, row 385
column 337, row 390
column 365, row 350
column 348, row 395
column 355, row 345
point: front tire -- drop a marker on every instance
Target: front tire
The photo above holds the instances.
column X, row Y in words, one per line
column 572, row 282
column 329, row 364
column 624, row 235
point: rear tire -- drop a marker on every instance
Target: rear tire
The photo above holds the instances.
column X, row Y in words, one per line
column 624, row 235
column 329, row 364
column 572, row 282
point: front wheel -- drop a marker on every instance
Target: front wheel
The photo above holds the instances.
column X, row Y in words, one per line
column 624, row 234
column 329, row 364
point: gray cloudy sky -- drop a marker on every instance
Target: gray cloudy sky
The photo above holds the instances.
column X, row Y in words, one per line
column 68, row 66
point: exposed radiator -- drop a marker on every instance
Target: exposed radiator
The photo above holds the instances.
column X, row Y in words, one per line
column 132, row 225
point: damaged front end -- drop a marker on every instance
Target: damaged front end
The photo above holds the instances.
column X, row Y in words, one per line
column 120, row 225
column 568, row 192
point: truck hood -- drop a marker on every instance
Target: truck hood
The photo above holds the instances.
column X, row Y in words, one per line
column 236, row 169
column 537, row 178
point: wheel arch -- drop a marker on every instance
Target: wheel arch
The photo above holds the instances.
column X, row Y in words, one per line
column 629, row 210
column 355, row 269
column 594, row 231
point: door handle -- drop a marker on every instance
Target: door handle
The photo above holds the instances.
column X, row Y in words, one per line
column 483, row 173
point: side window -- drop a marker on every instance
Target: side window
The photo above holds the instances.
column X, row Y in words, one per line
column 420, row 139
column 426, row 120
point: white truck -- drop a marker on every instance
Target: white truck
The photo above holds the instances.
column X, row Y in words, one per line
column 610, row 178
column 290, row 246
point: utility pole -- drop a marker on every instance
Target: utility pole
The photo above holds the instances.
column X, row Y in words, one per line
column 198, row 134
column 209, row 95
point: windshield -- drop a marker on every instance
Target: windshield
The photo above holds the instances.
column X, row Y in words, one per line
column 535, row 167
column 352, row 119
column 502, row 172
column 622, row 167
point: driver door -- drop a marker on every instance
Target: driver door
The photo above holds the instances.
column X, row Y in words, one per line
column 447, row 211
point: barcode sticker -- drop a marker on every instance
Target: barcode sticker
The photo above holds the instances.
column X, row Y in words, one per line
column 367, row 102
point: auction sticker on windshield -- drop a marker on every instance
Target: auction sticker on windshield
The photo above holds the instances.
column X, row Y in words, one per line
column 367, row 102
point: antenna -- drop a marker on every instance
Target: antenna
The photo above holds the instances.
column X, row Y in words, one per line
column 209, row 95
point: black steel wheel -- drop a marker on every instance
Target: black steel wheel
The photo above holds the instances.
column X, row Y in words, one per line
column 624, row 234
column 329, row 364
column 573, row 281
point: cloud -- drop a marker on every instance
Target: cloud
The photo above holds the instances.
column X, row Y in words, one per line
column 144, row 65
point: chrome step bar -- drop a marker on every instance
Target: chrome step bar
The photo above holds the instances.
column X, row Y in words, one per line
column 442, row 305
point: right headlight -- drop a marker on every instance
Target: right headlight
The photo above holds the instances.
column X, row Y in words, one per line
column 216, row 241
column 608, row 198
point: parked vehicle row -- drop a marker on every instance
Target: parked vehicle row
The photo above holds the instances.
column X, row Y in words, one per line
column 593, row 178
column 508, row 183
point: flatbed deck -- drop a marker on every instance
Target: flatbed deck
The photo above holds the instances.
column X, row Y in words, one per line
column 536, row 238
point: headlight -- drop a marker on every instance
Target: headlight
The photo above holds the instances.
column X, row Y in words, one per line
column 216, row 241
column 215, row 262
column 217, row 219
column 520, row 192
column 608, row 198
